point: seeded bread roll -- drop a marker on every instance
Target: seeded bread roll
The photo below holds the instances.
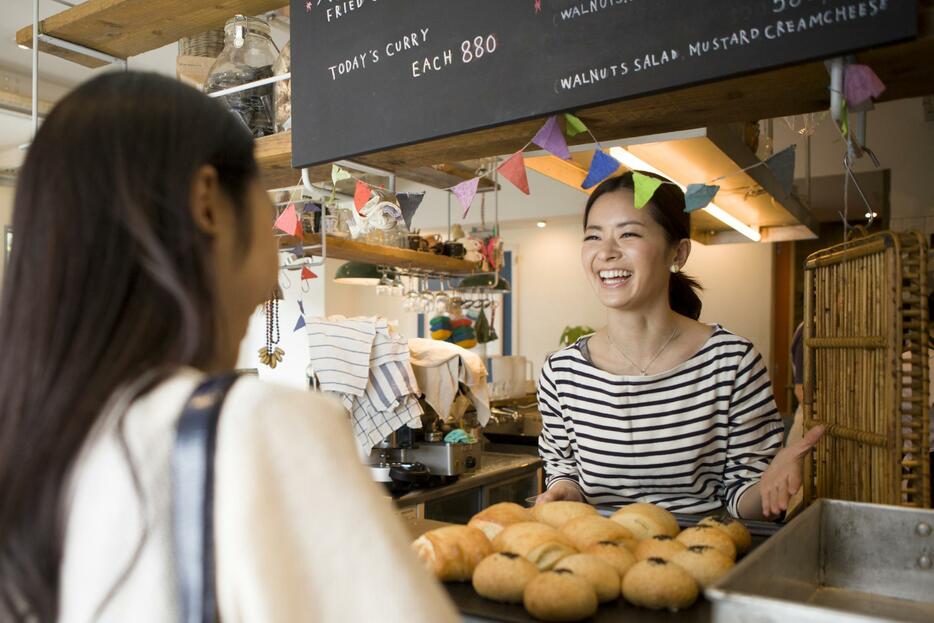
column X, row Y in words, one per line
column 556, row 514
column 542, row 545
column 560, row 596
column 646, row 520
column 588, row 530
column 503, row 577
column 617, row 554
column 657, row 583
column 704, row 563
column 734, row 529
column 602, row 576
column 493, row 519
column 452, row 552
column 708, row 535
column 658, row 546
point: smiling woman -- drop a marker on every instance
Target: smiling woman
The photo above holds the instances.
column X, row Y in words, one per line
column 658, row 407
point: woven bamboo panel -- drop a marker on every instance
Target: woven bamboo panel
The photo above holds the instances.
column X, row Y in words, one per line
column 866, row 370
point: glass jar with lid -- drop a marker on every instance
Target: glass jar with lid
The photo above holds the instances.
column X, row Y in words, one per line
column 283, row 89
column 248, row 55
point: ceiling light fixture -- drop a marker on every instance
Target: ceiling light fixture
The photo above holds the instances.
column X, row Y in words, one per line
column 871, row 214
column 633, row 162
column 541, row 224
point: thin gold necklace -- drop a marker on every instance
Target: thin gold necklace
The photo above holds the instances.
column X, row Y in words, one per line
column 651, row 361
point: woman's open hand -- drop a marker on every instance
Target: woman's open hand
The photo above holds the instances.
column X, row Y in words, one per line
column 783, row 477
column 561, row 490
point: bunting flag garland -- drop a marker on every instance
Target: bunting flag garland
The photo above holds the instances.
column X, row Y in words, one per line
column 307, row 274
column 551, row 139
column 514, row 171
column 601, row 167
column 861, row 85
column 300, row 324
column 782, row 165
column 465, row 192
column 289, row 222
column 699, row 196
column 573, row 125
column 645, row 187
column 299, row 250
column 361, row 195
column 408, row 204
column 338, row 174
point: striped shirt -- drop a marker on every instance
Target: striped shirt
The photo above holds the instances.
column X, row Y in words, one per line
column 692, row 439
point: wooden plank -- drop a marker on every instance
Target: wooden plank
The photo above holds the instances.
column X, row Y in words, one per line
column 351, row 250
column 124, row 28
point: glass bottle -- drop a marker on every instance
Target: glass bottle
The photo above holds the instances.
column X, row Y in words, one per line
column 248, row 55
column 283, row 89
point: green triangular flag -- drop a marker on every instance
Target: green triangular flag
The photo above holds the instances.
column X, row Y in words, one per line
column 338, row 174
column 574, row 126
column 698, row 196
column 645, row 188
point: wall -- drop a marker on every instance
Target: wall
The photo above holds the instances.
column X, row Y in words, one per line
column 902, row 140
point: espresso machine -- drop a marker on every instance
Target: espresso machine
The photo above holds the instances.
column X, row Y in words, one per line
column 416, row 458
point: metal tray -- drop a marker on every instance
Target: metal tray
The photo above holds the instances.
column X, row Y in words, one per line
column 836, row 561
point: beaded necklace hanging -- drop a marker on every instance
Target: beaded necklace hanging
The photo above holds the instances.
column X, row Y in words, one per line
column 270, row 354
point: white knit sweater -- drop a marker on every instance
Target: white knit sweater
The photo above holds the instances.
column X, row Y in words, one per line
column 301, row 533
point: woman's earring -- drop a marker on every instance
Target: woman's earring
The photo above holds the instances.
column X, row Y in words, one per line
column 675, row 268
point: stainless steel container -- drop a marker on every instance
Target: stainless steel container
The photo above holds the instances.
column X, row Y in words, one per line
column 448, row 459
column 836, row 561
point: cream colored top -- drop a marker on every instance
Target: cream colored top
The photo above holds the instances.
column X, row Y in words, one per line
column 301, row 532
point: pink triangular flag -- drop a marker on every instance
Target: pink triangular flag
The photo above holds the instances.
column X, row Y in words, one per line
column 307, row 274
column 860, row 84
column 288, row 221
column 514, row 171
column 551, row 138
column 361, row 195
column 465, row 192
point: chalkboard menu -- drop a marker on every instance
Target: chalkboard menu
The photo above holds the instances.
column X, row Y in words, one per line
column 373, row 74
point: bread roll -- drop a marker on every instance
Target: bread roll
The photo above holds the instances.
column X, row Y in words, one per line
column 704, row 563
column 452, row 552
column 734, row 529
column 604, row 579
column 708, row 535
column 659, row 546
column 657, row 583
column 617, row 554
column 560, row 596
column 496, row 517
column 556, row 514
column 588, row 530
column 542, row 545
column 503, row 577
column 646, row 520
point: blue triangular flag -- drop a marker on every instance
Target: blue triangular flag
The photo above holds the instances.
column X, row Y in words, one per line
column 698, row 196
column 408, row 204
column 298, row 250
column 601, row 167
column 311, row 206
column 300, row 324
column 782, row 165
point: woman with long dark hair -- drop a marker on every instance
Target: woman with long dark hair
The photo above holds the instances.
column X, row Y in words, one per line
column 143, row 244
column 656, row 406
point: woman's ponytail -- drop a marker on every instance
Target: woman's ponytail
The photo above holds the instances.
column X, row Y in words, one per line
column 682, row 295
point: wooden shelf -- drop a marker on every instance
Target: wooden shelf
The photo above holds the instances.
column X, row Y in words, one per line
column 351, row 250
column 124, row 28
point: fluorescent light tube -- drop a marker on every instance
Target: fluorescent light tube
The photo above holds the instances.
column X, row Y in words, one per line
column 633, row 162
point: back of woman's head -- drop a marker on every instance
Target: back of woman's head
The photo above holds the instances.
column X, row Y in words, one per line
column 109, row 278
column 667, row 209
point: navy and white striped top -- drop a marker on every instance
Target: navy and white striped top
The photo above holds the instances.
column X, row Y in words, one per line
column 691, row 439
